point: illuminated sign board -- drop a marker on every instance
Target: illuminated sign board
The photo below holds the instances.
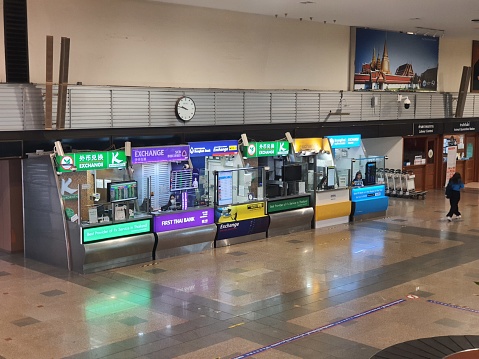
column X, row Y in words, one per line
column 84, row 161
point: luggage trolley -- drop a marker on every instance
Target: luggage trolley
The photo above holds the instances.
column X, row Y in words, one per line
column 389, row 176
column 411, row 187
column 398, row 183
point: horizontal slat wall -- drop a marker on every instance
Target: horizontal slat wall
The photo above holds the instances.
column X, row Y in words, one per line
column 307, row 107
column 229, row 108
column 22, row 106
column 205, row 108
column 257, row 108
column 87, row 108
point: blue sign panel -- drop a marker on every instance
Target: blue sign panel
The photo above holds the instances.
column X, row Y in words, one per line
column 363, row 193
column 346, row 141
column 213, row 148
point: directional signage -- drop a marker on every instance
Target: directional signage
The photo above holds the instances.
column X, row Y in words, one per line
column 84, row 161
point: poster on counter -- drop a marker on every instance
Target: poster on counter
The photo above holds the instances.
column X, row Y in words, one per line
column 239, row 212
column 181, row 220
column 242, row 228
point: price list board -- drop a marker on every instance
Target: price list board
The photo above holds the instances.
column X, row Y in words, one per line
column 225, row 188
column 181, row 180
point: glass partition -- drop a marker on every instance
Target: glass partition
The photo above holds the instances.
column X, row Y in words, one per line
column 367, row 171
column 239, row 186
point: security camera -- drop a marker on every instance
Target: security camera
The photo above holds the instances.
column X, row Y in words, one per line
column 407, row 103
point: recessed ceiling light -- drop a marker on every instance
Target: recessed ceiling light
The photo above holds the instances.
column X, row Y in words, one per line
column 475, row 20
column 306, row 2
column 415, row 18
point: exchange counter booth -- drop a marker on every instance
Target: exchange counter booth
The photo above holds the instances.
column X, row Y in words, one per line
column 176, row 197
column 80, row 212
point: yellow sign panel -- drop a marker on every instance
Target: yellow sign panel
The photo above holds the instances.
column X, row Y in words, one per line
column 240, row 212
column 308, row 144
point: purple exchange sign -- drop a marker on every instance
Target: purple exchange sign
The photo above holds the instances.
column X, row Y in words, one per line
column 160, row 154
column 169, row 221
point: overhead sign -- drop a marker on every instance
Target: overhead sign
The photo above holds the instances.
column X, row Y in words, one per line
column 213, row 148
column 160, row 154
column 84, row 161
column 346, row 141
column 464, row 126
column 266, row 149
column 100, row 233
column 308, row 144
column 180, row 220
column 425, row 128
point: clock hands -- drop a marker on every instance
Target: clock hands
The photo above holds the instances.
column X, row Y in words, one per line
column 183, row 107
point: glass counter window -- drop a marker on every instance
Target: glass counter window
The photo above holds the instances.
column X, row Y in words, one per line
column 367, row 171
column 239, row 186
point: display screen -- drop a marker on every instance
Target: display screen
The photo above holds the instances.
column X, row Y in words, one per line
column 181, row 180
column 292, row 173
column 331, row 176
column 122, row 191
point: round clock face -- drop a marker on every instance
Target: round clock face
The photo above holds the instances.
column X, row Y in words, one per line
column 185, row 108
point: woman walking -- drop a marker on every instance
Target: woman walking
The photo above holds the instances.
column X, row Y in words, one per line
column 454, row 195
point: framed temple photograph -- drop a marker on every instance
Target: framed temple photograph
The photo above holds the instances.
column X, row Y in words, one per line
column 475, row 66
column 395, row 61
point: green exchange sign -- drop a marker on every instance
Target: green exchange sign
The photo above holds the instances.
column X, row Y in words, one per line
column 84, row 161
column 99, row 233
column 266, row 149
column 287, row 204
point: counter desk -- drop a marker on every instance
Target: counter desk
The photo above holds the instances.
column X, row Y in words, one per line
column 332, row 207
column 368, row 202
column 107, row 245
column 183, row 231
column 289, row 214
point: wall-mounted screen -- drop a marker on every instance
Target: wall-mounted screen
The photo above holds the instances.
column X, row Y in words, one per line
column 122, row 191
column 292, row 173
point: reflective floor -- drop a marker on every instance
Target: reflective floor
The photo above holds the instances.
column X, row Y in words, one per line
column 341, row 292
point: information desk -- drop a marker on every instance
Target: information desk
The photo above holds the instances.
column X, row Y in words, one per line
column 368, row 202
column 289, row 214
column 181, row 232
column 332, row 207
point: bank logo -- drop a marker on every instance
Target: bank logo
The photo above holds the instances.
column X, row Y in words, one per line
column 65, row 187
column 251, row 150
column 67, row 163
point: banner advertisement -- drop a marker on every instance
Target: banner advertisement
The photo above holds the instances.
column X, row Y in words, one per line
column 362, row 193
column 239, row 212
column 160, row 154
column 242, row 228
column 288, row 204
column 213, row 148
column 84, row 161
column 180, row 220
column 266, row 149
column 451, row 162
column 100, row 233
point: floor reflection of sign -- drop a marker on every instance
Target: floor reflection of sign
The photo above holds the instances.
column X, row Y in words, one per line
column 242, row 228
column 225, row 188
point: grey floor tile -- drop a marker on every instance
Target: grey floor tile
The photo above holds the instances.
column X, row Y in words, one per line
column 25, row 321
column 132, row 321
column 237, row 270
column 156, row 270
column 449, row 323
column 238, row 292
column 295, row 241
column 422, row 293
column 53, row 293
column 2, row 273
column 237, row 253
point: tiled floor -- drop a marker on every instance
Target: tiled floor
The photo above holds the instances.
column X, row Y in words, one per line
column 353, row 289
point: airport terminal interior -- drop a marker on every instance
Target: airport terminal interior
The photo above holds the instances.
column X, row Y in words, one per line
column 345, row 291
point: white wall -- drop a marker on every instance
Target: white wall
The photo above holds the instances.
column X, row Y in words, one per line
column 129, row 42
column 386, row 146
column 143, row 43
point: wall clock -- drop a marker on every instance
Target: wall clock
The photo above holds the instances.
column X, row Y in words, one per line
column 185, row 108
